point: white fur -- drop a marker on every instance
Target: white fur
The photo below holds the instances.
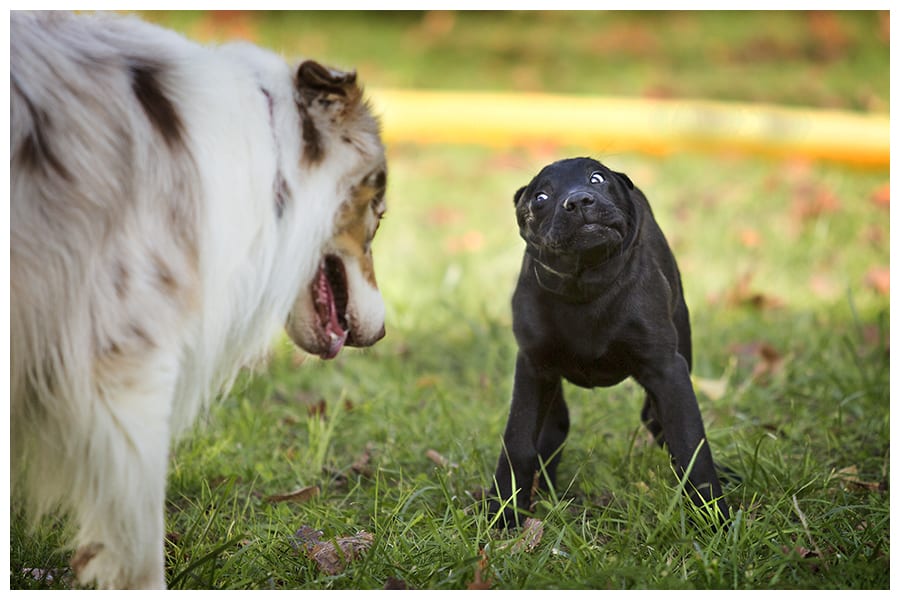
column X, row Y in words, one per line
column 107, row 368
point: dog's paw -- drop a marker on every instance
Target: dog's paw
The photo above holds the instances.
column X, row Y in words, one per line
column 502, row 515
column 728, row 476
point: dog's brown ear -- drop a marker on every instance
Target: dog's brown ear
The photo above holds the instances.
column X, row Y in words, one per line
column 518, row 194
column 329, row 87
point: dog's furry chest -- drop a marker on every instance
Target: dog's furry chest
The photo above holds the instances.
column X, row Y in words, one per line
column 581, row 345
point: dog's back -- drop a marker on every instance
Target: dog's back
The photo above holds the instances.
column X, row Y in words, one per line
column 172, row 208
column 92, row 255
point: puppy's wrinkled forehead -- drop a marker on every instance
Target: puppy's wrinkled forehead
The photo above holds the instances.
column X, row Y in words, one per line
column 567, row 172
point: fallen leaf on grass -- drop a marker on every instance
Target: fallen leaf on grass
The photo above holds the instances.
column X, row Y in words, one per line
column 749, row 237
column 393, row 583
column 811, row 202
column 800, row 551
column 438, row 459
column 714, row 389
column 741, row 294
column 306, row 537
column 532, row 533
column 317, row 409
column 482, row 567
column 882, row 196
column 470, row 241
column 768, row 361
column 850, row 476
column 299, row 495
column 333, row 556
column 879, row 279
column 361, row 464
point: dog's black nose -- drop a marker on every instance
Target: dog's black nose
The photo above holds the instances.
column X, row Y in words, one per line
column 576, row 200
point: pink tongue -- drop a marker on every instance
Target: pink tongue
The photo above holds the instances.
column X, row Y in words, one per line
column 336, row 333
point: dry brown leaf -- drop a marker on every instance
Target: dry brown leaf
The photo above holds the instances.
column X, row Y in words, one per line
column 714, row 389
column 470, row 241
column 749, row 237
column 333, row 556
column 482, row 567
column 741, row 294
column 766, row 359
column 532, row 533
column 361, row 464
column 306, row 537
column 879, row 279
column 427, row 381
column 438, row 459
column 394, row 583
column 298, row 495
column 317, row 409
column 850, row 476
column 882, row 196
column 811, row 202
column 800, row 551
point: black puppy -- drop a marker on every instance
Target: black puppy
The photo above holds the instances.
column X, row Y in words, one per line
column 598, row 299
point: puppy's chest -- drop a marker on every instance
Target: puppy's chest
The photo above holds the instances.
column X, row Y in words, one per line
column 582, row 350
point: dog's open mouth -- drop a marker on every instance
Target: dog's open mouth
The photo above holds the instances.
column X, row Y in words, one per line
column 329, row 293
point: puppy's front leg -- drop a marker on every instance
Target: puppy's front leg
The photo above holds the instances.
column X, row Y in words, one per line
column 675, row 405
column 533, row 397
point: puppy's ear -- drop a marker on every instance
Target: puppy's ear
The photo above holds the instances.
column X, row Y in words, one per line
column 518, row 194
column 332, row 91
column 624, row 179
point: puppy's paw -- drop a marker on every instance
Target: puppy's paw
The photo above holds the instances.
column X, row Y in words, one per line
column 728, row 476
column 502, row 515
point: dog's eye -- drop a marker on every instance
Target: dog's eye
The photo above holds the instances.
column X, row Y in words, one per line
column 596, row 177
column 540, row 198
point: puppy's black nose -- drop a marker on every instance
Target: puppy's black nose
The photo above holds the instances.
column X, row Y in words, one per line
column 577, row 200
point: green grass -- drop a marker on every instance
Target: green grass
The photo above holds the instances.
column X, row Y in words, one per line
column 794, row 360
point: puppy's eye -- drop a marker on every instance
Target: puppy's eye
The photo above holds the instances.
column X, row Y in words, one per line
column 596, row 177
column 540, row 199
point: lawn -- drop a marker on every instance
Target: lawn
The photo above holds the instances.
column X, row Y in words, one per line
column 786, row 273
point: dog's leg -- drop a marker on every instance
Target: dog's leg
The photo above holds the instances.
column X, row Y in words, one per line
column 675, row 406
column 531, row 400
column 119, row 507
column 554, row 430
column 648, row 418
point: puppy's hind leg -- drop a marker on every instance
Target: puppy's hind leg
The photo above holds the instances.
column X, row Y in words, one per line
column 119, row 500
column 651, row 422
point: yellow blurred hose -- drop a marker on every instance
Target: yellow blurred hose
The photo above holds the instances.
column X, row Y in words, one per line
column 611, row 125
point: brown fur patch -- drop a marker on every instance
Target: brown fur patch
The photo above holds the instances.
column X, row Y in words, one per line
column 36, row 152
column 83, row 556
column 160, row 111
column 140, row 333
column 164, row 275
column 282, row 194
column 358, row 221
column 313, row 146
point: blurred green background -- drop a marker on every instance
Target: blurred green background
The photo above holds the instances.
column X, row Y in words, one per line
column 799, row 58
